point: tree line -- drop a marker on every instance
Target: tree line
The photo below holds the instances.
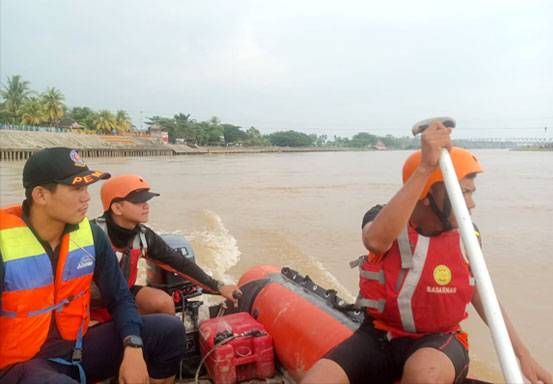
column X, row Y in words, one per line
column 181, row 128
column 20, row 105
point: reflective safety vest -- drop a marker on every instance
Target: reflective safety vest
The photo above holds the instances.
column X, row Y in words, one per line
column 33, row 291
column 422, row 285
column 128, row 261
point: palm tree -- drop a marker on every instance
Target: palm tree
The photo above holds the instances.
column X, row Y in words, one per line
column 15, row 93
column 52, row 101
column 104, row 121
column 214, row 121
column 32, row 112
column 122, row 122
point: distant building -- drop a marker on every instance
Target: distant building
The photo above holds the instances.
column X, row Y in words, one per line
column 68, row 124
column 76, row 126
column 156, row 131
column 379, row 146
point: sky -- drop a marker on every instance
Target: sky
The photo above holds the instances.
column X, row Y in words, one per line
column 324, row 67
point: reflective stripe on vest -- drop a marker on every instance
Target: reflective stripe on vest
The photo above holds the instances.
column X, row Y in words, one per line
column 378, row 276
column 427, row 284
column 472, row 282
column 405, row 249
column 416, row 262
column 32, row 292
column 413, row 263
column 81, row 257
column 406, row 263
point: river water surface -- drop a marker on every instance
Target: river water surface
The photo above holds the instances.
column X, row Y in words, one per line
column 304, row 210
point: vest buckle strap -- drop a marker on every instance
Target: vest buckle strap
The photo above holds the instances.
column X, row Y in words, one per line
column 7, row 313
column 51, row 308
column 55, row 307
column 82, row 374
column 77, row 355
column 357, row 262
column 368, row 303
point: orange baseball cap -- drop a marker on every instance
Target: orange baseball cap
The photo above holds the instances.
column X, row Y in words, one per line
column 125, row 187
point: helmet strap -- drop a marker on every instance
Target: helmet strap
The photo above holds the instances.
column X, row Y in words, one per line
column 442, row 214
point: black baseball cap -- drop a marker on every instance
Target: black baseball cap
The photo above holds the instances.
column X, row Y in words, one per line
column 59, row 165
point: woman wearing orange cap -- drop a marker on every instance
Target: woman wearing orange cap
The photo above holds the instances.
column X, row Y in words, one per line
column 415, row 284
column 125, row 202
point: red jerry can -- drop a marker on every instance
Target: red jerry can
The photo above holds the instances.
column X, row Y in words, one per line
column 249, row 355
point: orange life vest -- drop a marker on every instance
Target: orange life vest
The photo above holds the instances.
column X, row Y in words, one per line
column 32, row 292
column 422, row 285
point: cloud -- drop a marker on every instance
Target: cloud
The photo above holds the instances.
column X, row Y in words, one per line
column 316, row 66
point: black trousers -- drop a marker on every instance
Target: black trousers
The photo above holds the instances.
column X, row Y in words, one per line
column 163, row 337
column 368, row 356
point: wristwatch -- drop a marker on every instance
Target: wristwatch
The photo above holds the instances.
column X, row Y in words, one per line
column 133, row 342
column 220, row 285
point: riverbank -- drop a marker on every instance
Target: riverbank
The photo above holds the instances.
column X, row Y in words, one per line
column 542, row 148
column 186, row 150
column 19, row 145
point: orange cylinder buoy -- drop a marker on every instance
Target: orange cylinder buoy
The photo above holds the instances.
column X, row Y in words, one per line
column 299, row 315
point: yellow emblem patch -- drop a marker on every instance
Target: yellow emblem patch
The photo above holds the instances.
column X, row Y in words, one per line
column 442, row 274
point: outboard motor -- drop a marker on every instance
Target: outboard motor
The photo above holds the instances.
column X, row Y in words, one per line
column 172, row 283
column 155, row 275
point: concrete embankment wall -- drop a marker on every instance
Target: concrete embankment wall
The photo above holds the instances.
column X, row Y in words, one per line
column 19, row 145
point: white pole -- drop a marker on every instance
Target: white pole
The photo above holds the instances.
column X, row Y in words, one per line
column 500, row 336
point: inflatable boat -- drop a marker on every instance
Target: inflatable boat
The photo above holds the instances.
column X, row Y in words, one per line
column 304, row 319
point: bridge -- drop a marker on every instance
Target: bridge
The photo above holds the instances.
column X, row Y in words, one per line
column 514, row 140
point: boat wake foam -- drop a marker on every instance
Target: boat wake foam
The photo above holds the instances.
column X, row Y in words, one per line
column 215, row 248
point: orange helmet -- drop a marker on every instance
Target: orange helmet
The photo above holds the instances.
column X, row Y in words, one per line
column 464, row 163
column 119, row 187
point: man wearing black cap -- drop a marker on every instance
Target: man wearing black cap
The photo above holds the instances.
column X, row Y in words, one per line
column 125, row 202
column 49, row 256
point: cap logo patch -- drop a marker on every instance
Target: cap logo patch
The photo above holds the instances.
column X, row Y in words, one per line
column 76, row 158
